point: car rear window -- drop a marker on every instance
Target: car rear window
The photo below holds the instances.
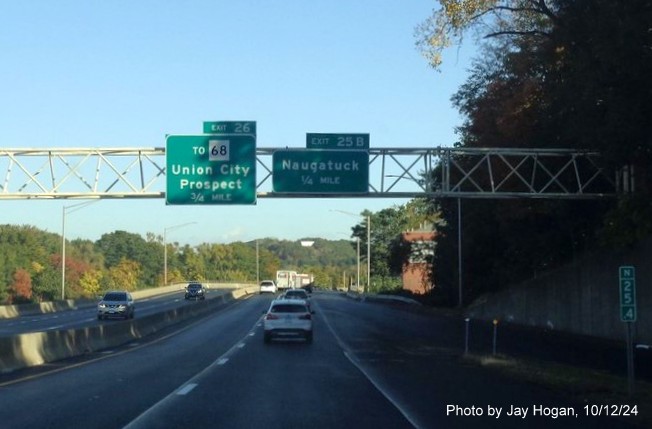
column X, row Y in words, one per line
column 115, row 297
column 296, row 295
column 289, row 308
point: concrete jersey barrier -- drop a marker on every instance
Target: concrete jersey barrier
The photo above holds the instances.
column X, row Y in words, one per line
column 37, row 348
column 11, row 311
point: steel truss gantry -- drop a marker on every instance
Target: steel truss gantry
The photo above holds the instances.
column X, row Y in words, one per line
column 88, row 173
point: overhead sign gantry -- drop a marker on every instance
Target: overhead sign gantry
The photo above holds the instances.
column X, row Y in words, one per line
column 225, row 166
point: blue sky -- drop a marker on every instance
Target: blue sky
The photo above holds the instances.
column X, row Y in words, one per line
column 124, row 73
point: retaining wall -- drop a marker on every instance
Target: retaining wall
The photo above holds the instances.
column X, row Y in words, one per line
column 582, row 298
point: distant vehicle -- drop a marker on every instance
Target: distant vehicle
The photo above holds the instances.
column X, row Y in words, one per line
column 288, row 318
column 286, row 279
column 268, row 286
column 195, row 291
column 308, row 288
column 297, row 294
column 304, row 280
column 116, row 304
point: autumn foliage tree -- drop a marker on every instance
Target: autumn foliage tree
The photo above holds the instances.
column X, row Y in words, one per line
column 123, row 276
column 21, row 287
column 549, row 74
column 91, row 282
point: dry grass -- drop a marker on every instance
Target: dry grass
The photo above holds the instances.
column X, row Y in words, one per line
column 579, row 384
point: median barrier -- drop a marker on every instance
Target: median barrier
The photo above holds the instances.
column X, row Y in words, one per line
column 37, row 348
column 11, row 311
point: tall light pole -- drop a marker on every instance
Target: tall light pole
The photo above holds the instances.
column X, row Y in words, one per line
column 74, row 208
column 357, row 281
column 257, row 263
column 368, row 218
column 459, row 253
column 165, row 248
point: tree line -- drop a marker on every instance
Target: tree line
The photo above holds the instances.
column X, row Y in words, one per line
column 31, row 259
column 30, row 263
column 549, row 74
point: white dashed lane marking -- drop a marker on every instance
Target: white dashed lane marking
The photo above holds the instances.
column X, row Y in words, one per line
column 186, row 389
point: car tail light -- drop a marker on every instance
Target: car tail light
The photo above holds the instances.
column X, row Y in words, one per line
column 306, row 316
column 271, row 316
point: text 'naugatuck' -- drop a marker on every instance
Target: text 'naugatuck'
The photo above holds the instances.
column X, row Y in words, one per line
column 316, row 166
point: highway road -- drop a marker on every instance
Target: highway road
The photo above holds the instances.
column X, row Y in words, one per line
column 87, row 315
column 370, row 366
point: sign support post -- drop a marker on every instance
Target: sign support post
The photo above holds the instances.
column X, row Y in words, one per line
column 627, row 280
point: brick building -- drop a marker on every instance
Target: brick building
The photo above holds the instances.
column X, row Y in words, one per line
column 417, row 270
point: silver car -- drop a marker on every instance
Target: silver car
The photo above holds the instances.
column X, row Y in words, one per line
column 288, row 318
column 116, row 304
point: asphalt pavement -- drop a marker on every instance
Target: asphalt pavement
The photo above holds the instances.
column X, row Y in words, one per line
column 540, row 344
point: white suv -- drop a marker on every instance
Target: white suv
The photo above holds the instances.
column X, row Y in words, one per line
column 268, row 286
column 288, row 318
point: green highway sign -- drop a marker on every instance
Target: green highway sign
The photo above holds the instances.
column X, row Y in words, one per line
column 320, row 171
column 355, row 141
column 230, row 127
column 210, row 169
column 627, row 279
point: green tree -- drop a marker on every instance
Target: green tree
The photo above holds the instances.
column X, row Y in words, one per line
column 91, row 282
column 120, row 245
column 560, row 80
column 20, row 247
column 388, row 250
column 194, row 267
column 46, row 282
column 124, row 275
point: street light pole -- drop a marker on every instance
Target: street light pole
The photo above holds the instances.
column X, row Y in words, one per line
column 63, row 254
column 368, row 253
column 357, row 282
column 165, row 248
column 165, row 257
column 459, row 252
column 76, row 207
column 368, row 218
column 257, row 264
